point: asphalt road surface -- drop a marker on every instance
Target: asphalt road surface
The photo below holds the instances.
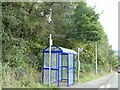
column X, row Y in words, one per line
column 109, row 81
column 112, row 82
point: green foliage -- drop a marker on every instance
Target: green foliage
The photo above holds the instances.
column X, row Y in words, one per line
column 86, row 24
column 26, row 27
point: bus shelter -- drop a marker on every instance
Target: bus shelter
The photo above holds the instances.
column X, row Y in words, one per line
column 62, row 66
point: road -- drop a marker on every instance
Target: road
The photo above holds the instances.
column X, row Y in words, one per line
column 112, row 82
column 109, row 81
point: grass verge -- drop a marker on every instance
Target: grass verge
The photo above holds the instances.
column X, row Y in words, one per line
column 91, row 76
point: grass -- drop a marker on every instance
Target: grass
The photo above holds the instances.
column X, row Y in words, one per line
column 92, row 76
column 0, row 82
column 32, row 78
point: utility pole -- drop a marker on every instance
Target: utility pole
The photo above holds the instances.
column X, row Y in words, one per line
column 78, row 64
column 96, row 58
column 50, row 44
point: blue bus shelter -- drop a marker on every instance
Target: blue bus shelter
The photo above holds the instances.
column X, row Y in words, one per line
column 62, row 65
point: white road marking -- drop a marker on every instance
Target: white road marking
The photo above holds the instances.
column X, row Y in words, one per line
column 108, row 86
column 102, row 86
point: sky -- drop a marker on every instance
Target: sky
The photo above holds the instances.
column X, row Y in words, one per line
column 108, row 19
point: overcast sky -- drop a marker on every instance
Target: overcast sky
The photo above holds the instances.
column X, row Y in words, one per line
column 109, row 18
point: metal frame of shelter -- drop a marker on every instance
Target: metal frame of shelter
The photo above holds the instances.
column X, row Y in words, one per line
column 62, row 65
